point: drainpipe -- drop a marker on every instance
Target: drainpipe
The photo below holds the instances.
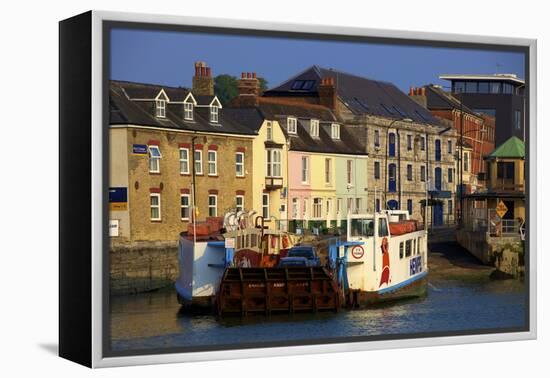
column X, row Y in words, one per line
column 399, row 166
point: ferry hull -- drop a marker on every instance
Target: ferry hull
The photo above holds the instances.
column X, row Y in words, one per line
column 415, row 289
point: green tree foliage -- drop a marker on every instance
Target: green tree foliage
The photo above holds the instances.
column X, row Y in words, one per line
column 225, row 87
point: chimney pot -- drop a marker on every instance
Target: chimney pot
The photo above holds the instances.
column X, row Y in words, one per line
column 248, row 75
column 243, row 75
column 208, row 72
column 253, row 75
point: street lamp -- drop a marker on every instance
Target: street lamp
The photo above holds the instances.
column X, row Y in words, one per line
column 386, row 184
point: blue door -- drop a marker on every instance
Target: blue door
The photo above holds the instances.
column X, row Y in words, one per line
column 437, row 175
column 438, row 214
column 392, row 178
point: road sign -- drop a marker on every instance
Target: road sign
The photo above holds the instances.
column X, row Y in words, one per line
column 357, row 251
column 501, row 209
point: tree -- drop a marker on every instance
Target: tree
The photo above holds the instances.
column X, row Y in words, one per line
column 226, row 88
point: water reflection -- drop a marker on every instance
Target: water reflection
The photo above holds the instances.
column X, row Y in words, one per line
column 154, row 320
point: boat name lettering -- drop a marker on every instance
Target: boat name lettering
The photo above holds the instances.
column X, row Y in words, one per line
column 415, row 265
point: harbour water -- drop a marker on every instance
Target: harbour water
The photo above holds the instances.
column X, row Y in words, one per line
column 461, row 297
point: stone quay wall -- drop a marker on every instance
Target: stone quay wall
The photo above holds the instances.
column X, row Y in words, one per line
column 142, row 266
column 504, row 253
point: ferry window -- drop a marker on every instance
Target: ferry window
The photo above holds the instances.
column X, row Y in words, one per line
column 408, row 248
column 401, row 250
column 495, row 87
column 362, row 227
column 382, row 227
column 507, row 88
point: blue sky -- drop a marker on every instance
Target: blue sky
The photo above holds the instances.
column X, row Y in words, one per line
column 167, row 58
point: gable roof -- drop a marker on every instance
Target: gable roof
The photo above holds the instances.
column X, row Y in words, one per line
column 512, row 148
column 361, row 95
column 279, row 109
column 134, row 103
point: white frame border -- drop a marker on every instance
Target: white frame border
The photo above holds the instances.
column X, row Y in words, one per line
column 97, row 191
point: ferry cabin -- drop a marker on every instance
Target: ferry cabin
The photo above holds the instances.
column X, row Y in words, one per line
column 392, row 259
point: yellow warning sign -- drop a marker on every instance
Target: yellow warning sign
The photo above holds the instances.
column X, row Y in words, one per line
column 501, row 209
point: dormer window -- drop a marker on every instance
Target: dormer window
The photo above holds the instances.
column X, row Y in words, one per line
column 188, row 111
column 214, row 114
column 160, row 108
column 292, row 125
column 314, row 128
column 335, row 131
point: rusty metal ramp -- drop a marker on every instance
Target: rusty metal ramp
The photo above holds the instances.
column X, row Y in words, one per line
column 246, row 291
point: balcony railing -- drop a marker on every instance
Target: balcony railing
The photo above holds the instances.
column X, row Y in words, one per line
column 507, row 186
column 273, row 183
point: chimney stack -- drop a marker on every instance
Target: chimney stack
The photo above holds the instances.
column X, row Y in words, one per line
column 249, row 90
column 418, row 95
column 327, row 93
column 203, row 83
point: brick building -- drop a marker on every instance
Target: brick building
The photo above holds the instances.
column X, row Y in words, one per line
column 476, row 129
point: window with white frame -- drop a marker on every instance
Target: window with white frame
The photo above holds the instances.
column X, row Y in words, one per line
column 305, row 169
column 154, row 159
column 358, row 205
column 160, row 108
column 338, row 205
column 212, row 205
column 184, row 161
column 269, row 130
column 295, row 208
column 449, row 146
column 466, row 159
column 376, row 138
column 239, row 164
column 314, row 128
column 155, row 206
column 328, row 171
column 188, row 111
column 292, row 125
column 317, row 207
column 198, row 162
column 273, row 162
column 350, row 205
column 212, row 163
column 328, row 206
column 214, row 114
column 184, row 206
column 265, row 205
column 239, row 202
column 335, row 131
column 304, row 208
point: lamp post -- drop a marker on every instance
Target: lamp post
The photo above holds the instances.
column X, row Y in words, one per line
column 386, row 184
